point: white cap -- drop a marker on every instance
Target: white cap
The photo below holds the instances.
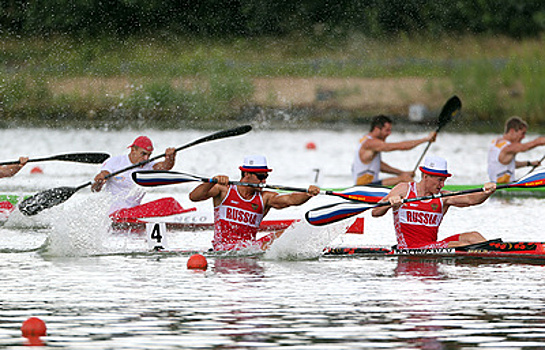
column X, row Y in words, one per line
column 255, row 164
column 436, row 166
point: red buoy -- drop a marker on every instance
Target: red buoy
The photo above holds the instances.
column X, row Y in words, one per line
column 33, row 327
column 197, row 262
column 36, row 170
column 311, row 145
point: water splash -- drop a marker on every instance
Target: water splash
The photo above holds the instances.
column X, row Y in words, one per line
column 79, row 228
column 301, row 241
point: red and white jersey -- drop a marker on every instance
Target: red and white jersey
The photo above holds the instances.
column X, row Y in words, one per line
column 417, row 223
column 236, row 220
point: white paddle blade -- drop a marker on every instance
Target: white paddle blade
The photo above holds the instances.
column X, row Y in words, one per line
column 366, row 194
column 334, row 212
column 153, row 178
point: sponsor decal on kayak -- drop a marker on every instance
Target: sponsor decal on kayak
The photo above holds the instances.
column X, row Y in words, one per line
column 426, row 251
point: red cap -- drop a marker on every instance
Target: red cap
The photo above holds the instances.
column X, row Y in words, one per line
column 143, row 142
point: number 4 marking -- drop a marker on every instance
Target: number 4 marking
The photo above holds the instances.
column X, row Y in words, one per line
column 156, row 235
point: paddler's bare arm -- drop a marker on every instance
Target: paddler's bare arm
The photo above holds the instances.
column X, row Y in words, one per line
column 395, row 198
column 277, row 201
column 510, row 151
column 208, row 190
column 99, row 181
column 471, row 199
column 10, row 170
column 168, row 163
column 382, row 146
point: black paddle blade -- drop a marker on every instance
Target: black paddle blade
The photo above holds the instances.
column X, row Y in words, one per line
column 91, row 158
column 219, row 135
column 45, row 200
column 451, row 108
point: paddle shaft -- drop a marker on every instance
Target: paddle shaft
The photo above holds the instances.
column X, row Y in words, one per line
column 329, row 214
column 218, row 135
column 535, row 166
column 92, row 158
column 49, row 198
column 445, row 117
column 249, row 184
column 163, row 177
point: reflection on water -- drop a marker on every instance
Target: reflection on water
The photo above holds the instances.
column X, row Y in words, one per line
column 417, row 267
column 143, row 302
column 233, row 265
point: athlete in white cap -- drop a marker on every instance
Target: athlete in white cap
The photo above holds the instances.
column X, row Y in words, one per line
column 417, row 223
column 239, row 210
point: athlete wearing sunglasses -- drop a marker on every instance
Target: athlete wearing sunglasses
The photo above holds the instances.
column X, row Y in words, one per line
column 239, row 210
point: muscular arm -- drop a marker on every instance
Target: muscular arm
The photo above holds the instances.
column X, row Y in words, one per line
column 470, row 199
column 10, row 170
column 168, row 163
column 394, row 197
column 99, row 181
column 207, row 190
column 388, row 169
column 371, row 147
column 274, row 200
column 510, row 151
column 382, row 146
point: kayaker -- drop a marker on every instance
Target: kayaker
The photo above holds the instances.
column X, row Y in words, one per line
column 239, row 210
column 121, row 186
column 417, row 223
column 12, row 169
column 503, row 150
column 368, row 164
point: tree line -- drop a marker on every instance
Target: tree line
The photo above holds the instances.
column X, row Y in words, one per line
column 248, row 18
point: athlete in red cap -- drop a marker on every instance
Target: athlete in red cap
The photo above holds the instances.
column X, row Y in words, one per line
column 239, row 210
column 417, row 223
column 121, row 186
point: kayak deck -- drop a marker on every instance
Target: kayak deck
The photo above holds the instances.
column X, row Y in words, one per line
column 495, row 249
column 266, row 225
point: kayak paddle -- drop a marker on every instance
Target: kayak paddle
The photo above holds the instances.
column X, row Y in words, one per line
column 91, row 158
column 336, row 212
column 152, row 178
column 450, row 110
column 52, row 197
column 535, row 166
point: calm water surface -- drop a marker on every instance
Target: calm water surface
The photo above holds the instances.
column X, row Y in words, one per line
column 98, row 290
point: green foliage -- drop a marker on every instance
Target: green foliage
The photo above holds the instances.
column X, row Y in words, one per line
column 251, row 18
column 174, row 80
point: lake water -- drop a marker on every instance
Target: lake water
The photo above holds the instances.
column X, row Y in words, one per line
column 98, row 290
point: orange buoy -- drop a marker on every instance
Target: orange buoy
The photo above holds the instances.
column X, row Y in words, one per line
column 36, row 170
column 33, row 327
column 311, row 145
column 197, row 262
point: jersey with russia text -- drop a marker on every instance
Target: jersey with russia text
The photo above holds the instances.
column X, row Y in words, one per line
column 417, row 223
column 236, row 220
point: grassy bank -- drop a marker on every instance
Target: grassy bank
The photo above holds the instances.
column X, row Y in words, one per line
column 179, row 82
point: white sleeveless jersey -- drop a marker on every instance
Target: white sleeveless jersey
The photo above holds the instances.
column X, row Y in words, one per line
column 498, row 172
column 121, row 186
column 360, row 169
